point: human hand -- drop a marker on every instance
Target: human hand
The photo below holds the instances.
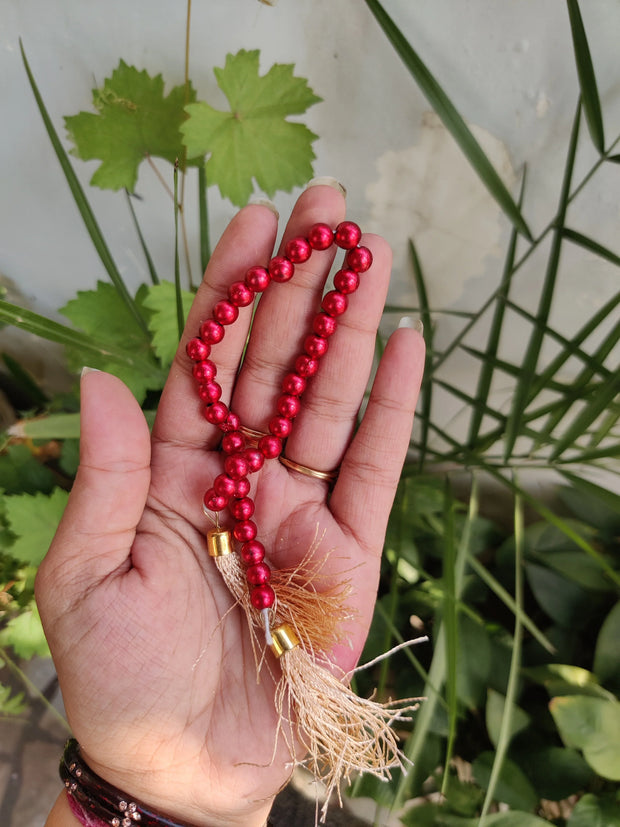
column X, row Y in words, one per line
column 157, row 672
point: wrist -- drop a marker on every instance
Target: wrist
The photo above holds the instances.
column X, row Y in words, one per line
column 99, row 798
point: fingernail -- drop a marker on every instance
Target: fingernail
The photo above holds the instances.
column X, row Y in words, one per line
column 86, row 370
column 327, row 181
column 412, row 324
column 264, row 202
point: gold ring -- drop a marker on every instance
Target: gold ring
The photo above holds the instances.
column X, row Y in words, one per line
column 326, row 476
column 253, row 437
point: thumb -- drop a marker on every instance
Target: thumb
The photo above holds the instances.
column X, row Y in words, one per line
column 98, row 528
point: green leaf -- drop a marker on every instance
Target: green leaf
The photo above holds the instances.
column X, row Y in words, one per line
column 593, row 726
column 494, row 712
column 134, row 121
column 607, row 653
column 452, row 120
column 52, row 426
column 21, row 473
column 595, row 811
column 512, row 786
column 34, row 519
column 587, row 78
column 161, row 301
column 555, row 772
column 11, row 705
column 103, row 315
column 566, row 679
column 434, row 815
column 254, row 139
column 24, row 634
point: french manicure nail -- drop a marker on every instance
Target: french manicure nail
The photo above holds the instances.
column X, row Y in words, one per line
column 412, row 324
column 327, row 181
column 264, row 202
column 86, row 370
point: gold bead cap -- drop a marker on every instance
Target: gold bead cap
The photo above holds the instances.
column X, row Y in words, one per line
column 219, row 542
column 284, row 639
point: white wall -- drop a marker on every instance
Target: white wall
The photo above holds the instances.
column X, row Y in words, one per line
column 508, row 66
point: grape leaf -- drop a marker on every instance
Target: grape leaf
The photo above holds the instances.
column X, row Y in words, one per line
column 161, row 301
column 24, row 634
column 134, row 120
column 104, row 315
column 34, row 519
column 254, row 140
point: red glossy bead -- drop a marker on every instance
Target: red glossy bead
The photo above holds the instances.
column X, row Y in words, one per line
column 270, row 446
column 321, row 236
column 244, row 531
column 216, row 413
column 324, row 325
column 197, row 350
column 257, row 279
column 224, row 485
column 281, row 269
column 262, row 597
column 214, row 501
column 358, row 259
column 346, row 281
column 258, row 574
column 233, row 441
column 225, row 312
column 240, row 294
column 252, row 552
column 305, row 365
column 209, row 391
column 242, row 509
column 334, row 303
column 255, row 459
column 294, row 383
column 288, row 405
column 347, row 235
column 204, row 371
column 280, row 426
column 242, row 487
column 315, row 346
column 298, row 250
column 231, row 423
column 211, row 331
column 236, row 466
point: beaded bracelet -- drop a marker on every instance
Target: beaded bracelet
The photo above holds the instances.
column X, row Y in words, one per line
column 95, row 803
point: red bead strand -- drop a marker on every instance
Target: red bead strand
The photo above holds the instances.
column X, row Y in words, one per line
column 232, row 487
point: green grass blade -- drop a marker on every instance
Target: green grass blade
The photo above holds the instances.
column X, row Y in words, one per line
column 25, row 381
column 55, row 332
column 145, row 249
column 82, row 204
column 203, row 218
column 522, row 392
column 607, row 497
column 177, row 269
column 450, row 117
column 587, row 78
column 487, row 369
column 450, row 622
column 515, row 665
column 426, row 392
column 591, row 245
column 590, row 412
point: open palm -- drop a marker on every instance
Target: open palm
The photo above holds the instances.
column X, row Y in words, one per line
column 154, row 659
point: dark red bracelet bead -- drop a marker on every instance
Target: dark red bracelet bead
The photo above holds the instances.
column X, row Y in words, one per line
column 236, row 466
column 347, row 235
column 294, row 384
column 281, row 269
column 215, row 501
column 257, row 279
column 209, row 391
column 262, row 597
column 252, row 552
column 324, row 325
column 242, row 487
column 255, row 459
column 270, row 446
column 232, row 442
column 346, row 281
column 231, row 423
column 315, row 346
column 225, row 312
column 216, row 413
column 298, row 250
column 240, row 294
column 358, row 259
column 321, row 236
column 242, row 509
column 224, row 485
column 244, row 531
column 334, row 303
column 280, row 426
column 288, row 405
column 211, row 331
column 204, row 371
column 258, row 574
column 305, row 365
column 197, row 349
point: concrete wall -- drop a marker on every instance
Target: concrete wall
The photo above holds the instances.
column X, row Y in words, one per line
column 507, row 66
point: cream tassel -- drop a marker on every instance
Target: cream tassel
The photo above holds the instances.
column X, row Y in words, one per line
column 342, row 733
